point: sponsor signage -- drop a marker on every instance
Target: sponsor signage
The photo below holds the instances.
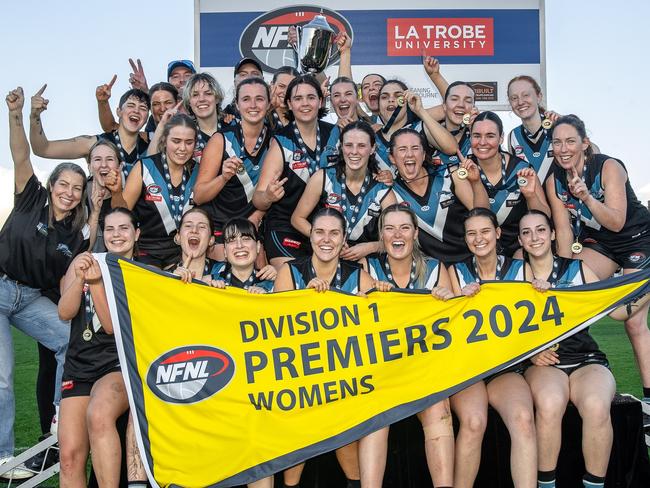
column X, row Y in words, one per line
column 492, row 40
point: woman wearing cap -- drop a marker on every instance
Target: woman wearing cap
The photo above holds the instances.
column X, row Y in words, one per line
column 599, row 219
column 232, row 162
column 295, row 153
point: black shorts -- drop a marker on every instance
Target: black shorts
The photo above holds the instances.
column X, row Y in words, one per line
column 578, row 361
column 281, row 244
column 518, row 368
column 78, row 388
column 628, row 254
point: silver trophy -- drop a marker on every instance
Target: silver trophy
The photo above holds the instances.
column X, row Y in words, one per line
column 314, row 45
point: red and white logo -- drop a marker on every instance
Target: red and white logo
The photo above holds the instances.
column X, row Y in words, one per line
column 440, row 37
column 189, row 374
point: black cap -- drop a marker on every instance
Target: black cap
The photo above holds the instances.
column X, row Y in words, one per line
column 252, row 61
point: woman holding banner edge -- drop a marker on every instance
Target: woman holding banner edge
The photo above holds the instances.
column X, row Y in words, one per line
column 507, row 391
column 402, row 265
column 325, row 270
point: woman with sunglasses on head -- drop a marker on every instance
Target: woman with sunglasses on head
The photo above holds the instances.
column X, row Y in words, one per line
column 351, row 188
column 295, row 153
column 506, row 391
column 159, row 190
column 401, row 265
column 232, row 161
column 511, row 183
column 599, row 220
column 45, row 230
column 439, row 201
column 93, row 392
column 325, row 270
column 574, row 369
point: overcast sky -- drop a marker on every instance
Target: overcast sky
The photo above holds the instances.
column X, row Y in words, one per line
column 595, row 52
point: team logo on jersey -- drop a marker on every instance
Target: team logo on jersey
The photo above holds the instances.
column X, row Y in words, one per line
column 189, row 374
column 266, row 38
column 153, row 193
column 333, row 198
column 518, row 150
column 63, row 248
column 636, row 257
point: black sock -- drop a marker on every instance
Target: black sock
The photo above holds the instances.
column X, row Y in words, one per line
column 354, row 483
column 284, row 485
column 591, row 481
column 546, row 479
column 646, row 393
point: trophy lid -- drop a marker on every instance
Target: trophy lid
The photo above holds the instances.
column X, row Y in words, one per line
column 319, row 22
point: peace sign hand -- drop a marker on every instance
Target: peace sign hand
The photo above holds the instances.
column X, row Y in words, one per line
column 38, row 102
column 103, row 92
column 170, row 112
column 137, row 77
column 16, row 100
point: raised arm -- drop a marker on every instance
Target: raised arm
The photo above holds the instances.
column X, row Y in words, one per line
column 436, row 134
column 103, row 95
column 18, row 144
column 77, row 147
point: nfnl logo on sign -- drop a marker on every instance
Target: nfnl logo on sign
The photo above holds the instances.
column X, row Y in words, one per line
column 190, row 374
column 440, row 37
column 267, row 37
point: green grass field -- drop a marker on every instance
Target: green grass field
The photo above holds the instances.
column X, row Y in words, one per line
column 609, row 334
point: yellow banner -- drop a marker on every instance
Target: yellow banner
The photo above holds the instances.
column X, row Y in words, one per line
column 229, row 387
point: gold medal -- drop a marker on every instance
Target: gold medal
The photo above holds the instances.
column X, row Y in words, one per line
column 554, row 347
column 546, row 123
column 400, row 100
column 462, row 173
column 522, row 181
column 87, row 335
column 576, row 248
column 466, row 119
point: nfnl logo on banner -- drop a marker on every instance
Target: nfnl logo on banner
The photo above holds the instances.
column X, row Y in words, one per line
column 484, row 42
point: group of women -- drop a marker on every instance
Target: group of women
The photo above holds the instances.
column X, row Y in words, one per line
column 274, row 199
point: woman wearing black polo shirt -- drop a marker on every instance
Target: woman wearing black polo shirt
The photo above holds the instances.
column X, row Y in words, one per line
column 44, row 231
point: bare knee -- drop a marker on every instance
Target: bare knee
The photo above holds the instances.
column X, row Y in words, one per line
column 524, row 423
column 636, row 325
column 551, row 407
column 595, row 410
column 73, row 456
column 474, row 424
column 99, row 421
